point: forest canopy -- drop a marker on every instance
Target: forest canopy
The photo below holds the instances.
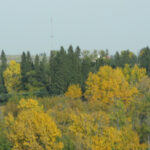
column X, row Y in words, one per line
column 75, row 100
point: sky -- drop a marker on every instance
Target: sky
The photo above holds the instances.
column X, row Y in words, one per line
column 92, row 24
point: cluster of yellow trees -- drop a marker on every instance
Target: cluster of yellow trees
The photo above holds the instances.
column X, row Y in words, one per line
column 103, row 122
column 109, row 85
column 32, row 129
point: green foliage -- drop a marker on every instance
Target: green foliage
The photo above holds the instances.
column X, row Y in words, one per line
column 34, row 75
column 117, row 115
column 125, row 57
column 134, row 74
column 144, row 59
column 3, row 66
column 65, row 69
column 69, row 144
column 81, row 123
column 4, row 142
column 58, row 72
column 141, row 118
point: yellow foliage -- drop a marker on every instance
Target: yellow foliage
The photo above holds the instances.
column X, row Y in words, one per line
column 94, row 133
column 74, row 91
column 26, row 104
column 12, row 76
column 127, row 72
column 108, row 85
column 61, row 117
column 111, row 138
column 32, row 130
column 88, row 124
column 93, row 83
column 135, row 74
column 84, row 126
column 144, row 86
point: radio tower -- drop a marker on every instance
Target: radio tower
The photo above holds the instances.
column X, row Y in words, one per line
column 52, row 36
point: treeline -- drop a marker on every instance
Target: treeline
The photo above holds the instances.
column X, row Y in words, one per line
column 115, row 115
column 52, row 75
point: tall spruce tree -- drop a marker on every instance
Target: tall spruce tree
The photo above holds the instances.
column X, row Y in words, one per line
column 29, row 62
column 144, row 59
column 27, row 71
column 38, row 71
column 77, row 65
column 23, row 63
column 44, row 67
column 37, row 65
column 44, row 74
column 117, row 61
column 3, row 66
column 3, row 61
column 85, row 69
column 72, row 66
column 58, row 70
column 23, row 69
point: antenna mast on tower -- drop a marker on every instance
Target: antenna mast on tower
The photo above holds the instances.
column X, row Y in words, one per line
column 52, row 35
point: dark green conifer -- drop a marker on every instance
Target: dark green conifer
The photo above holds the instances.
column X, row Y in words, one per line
column 3, row 66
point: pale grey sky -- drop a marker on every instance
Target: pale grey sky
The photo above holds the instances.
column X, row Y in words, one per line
column 92, row 24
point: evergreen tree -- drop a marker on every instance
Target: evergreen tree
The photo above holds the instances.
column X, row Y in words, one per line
column 2, row 69
column 117, row 60
column 37, row 77
column 37, row 65
column 44, row 73
column 29, row 62
column 51, row 70
column 23, row 63
column 44, row 70
column 28, row 73
column 23, row 69
column 3, row 61
column 58, row 70
column 144, row 59
column 127, row 57
column 72, row 59
column 37, row 69
column 85, row 68
column 78, row 65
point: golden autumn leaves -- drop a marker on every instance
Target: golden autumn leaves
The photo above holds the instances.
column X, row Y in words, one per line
column 12, row 76
column 32, row 128
column 91, row 126
column 74, row 91
column 108, row 85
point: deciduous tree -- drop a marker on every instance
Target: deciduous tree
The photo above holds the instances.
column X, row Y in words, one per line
column 32, row 129
column 12, row 77
column 108, row 85
column 74, row 91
